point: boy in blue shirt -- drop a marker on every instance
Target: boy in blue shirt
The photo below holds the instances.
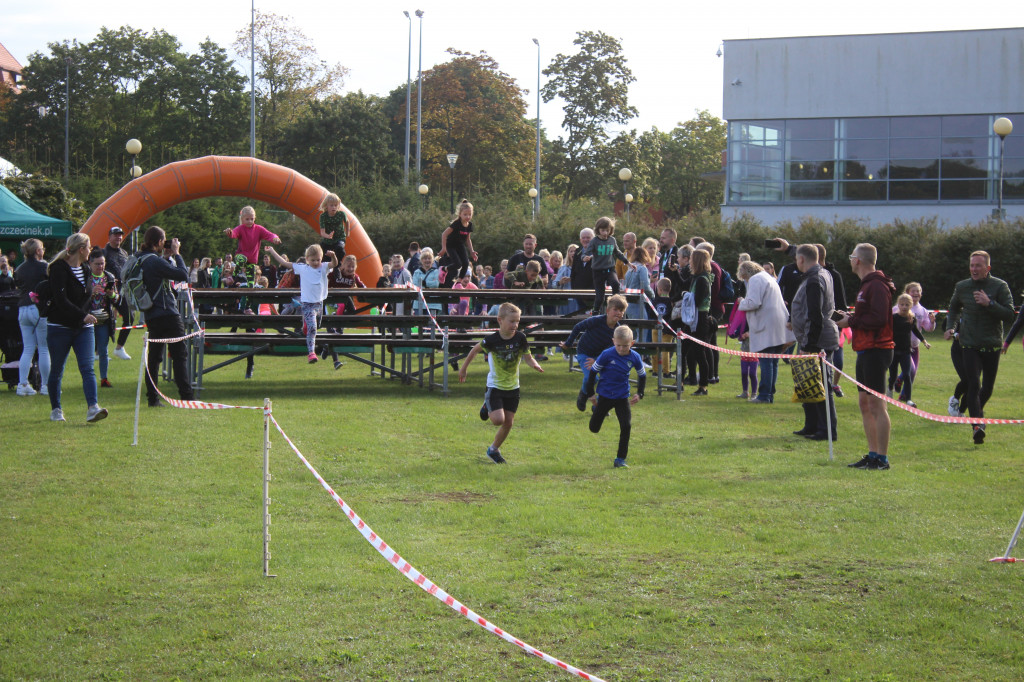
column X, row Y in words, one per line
column 613, row 366
column 595, row 335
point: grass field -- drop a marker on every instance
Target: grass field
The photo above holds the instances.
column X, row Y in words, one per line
column 729, row 550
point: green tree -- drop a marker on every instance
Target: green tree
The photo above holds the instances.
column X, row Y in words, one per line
column 289, row 74
column 692, row 150
column 341, row 138
column 47, row 196
column 594, row 84
column 472, row 108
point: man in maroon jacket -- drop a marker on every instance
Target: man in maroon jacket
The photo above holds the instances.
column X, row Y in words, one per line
column 871, row 323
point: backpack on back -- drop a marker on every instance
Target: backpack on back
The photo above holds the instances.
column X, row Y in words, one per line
column 133, row 287
column 727, row 292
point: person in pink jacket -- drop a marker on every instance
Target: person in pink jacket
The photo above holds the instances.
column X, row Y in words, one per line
column 249, row 235
column 925, row 322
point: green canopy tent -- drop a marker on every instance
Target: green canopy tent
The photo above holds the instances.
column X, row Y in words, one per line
column 19, row 222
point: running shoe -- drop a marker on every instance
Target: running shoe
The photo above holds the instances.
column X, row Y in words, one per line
column 979, row 434
column 493, row 453
column 57, row 415
column 26, row 389
column 954, row 406
column 95, row 413
column 105, row 383
column 122, row 354
column 620, row 463
column 312, row 358
column 861, row 463
column 483, row 412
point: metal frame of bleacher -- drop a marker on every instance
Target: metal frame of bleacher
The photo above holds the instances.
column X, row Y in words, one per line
column 399, row 347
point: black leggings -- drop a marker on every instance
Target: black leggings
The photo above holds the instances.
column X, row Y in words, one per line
column 956, row 355
column 602, row 277
column 622, row 412
column 458, row 262
column 980, row 369
column 126, row 320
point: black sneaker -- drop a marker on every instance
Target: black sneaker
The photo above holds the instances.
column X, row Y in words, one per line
column 862, row 463
column 248, row 373
column 878, row 464
column 338, row 364
column 483, row 412
column 700, row 391
column 979, row 434
column 581, row 401
column 838, row 392
column 495, row 455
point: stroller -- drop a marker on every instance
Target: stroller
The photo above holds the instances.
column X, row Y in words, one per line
column 10, row 342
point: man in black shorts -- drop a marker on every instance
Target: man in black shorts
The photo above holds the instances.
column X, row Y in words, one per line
column 871, row 323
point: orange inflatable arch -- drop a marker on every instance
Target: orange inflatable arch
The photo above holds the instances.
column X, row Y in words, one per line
column 227, row 176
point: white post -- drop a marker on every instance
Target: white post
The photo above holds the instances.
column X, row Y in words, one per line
column 138, row 389
column 266, row 488
column 828, row 405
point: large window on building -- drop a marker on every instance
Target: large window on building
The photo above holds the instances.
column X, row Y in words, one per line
column 897, row 159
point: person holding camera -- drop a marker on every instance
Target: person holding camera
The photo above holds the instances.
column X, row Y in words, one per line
column 163, row 320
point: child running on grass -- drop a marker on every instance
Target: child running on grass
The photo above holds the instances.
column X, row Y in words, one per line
column 613, row 366
column 595, row 335
column 505, row 349
column 313, row 285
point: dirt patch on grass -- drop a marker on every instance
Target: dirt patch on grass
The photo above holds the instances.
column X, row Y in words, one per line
column 464, row 496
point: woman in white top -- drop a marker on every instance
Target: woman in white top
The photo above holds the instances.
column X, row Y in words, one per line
column 766, row 319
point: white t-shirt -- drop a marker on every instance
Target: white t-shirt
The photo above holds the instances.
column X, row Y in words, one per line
column 312, row 282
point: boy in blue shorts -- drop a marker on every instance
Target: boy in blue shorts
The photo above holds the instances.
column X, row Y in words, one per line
column 613, row 366
column 505, row 349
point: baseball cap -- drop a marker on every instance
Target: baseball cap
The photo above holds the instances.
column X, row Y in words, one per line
column 116, row 230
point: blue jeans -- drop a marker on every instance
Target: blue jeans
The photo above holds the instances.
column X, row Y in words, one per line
column 582, row 360
column 60, row 341
column 769, row 373
column 102, row 332
column 33, row 337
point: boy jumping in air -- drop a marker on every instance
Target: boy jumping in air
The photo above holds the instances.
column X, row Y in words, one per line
column 613, row 365
column 505, row 349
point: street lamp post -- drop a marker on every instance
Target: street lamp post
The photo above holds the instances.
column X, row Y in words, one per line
column 536, row 181
column 533, row 195
column 419, row 102
column 134, row 148
column 408, row 101
column 423, row 190
column 1001, row 127
column 67, row 116
column 452, row 158
column 625, row 175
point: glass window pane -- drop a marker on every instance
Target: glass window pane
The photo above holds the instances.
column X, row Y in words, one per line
column 810, row 128
column 1013, row 188
column 964, row 190
column 915, row 126
column 755, row 193
column 965, row 146
column 811, row 170
column 913, row 169
column 957, row 126
column 864, row 170
column 865, row 127
column 865, row 149
column 1012, row 168
column 809, row 191
column 756, row 172
column 966, row 168
column 862, row 191
column 817, row 149
column 920, row 190
column 909, row 148
column 1014, row 143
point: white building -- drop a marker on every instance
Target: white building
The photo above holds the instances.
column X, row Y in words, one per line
column 874, row 127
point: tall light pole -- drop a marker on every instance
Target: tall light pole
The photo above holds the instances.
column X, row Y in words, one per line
column 423, row 190
column 408, row 101
column 134, row 148
column 533, row 198
column 419, row 104
column 67, row 115
column 536, row 181
column 252, row 82
column 1001, row 127
column 625, row 175
column 452, row 158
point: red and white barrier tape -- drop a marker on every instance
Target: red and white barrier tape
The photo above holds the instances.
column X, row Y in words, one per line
column 406, row 569
column 198, row 332
column 945, row 419
column 187, row 404
column 430, row 313
column 745, row 354
column 135, row 326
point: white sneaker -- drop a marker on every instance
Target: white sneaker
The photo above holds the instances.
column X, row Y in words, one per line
column 26, row 389
column 121, row 353
column 954, row 407
column 57, row 415
column 95, row 413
